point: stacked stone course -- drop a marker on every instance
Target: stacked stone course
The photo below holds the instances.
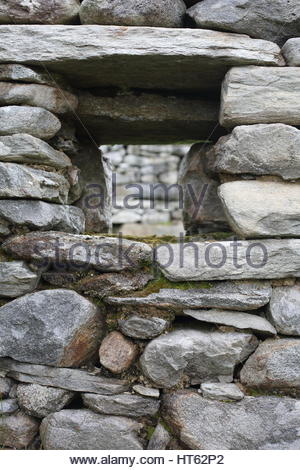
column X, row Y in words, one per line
column 129, row 344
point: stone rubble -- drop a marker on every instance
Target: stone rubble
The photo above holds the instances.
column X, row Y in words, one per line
column 17, row 279
column 117, row 353
column 39, row 401
column 222, row 392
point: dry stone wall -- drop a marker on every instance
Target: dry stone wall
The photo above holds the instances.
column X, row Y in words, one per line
column 112, row 343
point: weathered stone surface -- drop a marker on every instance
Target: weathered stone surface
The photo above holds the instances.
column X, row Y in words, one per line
column 5, row 386
column 146, row 391
column 255, row 259
column 275, row 365
column 39, row 11
column 117, row 353
column 28, row 120
column 223, row 295
column 255, row 423
column 77, row 380
column 253, row 17
column 23, row 148
column 24, row 74
column 239, row 320
column 39, row 401
column 52, row 327
column 40, row 215
column 79, row 251
column 159, row 439
column 17, row 431
column 163, row 13
column 262, row 149
column 283, row 310
column 84, row 429
column 133, row 406
column 262, row 208
column 147, row 117
column 202, row 207
column 148, row 58
column 20, row 181
column 247, row 90
column 199, row 354
column 221, row 392
column 291, row 52
column 114, row 283
column 96, row 181
column 44, row 96
column 8, row 407
column 143, row 328
column 16, row 279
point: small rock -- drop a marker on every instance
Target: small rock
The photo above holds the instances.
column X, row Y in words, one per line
column 197, row 354
column 38, row 11
column 163, row 13
column 32, row 329
column 117, row 353
column 146, row 391
column 275, row 366
column 239, row 320
column 126, row 404
column 284, row 310
column 223, row 295
column 16, row 279
column 254, row 209
column 254, row 423
column 291, row 52
column 114, row 283
column 20, row 181
column 17, row 431
column 262, row 149
column 221, row 392
column 39, row 401
column 37, row 122
column 5, row 386
column 159, row 439
column 8, row 407
column 23, row 148
column 26, row 215
column 43, row 96
column 252, row 17
column 77, row 380
column 143, row 328
column 79, row 251
column 84, row 430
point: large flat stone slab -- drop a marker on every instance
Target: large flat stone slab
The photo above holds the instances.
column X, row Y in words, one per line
column 254, row 423
column 255, row 259
column 135, row 57
column 63, row 250
column 224, row 295
column 291, row 52
column 262, row 208
column 260, row 149
column 261, row 95
column 76, row 380
column 146, row 117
